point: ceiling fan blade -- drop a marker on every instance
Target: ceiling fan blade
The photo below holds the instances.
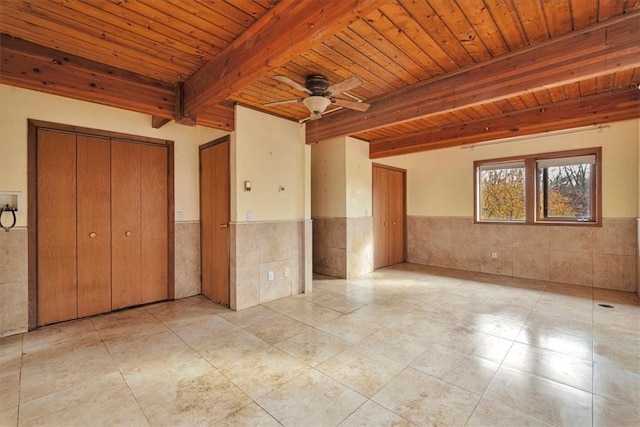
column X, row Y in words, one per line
column 289, row 82
column 358, row 106
column 287, row 101
column 345, row 85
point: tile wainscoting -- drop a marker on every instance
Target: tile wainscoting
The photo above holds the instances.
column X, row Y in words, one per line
column 14, row 293
column 260, row 247
column 601, row 257
column 343, row 247
column 187, row 259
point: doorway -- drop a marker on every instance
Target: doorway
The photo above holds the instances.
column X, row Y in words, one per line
column 389, row 215
column 215, row 201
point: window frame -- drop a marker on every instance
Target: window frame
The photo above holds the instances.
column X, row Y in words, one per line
column 533, row 214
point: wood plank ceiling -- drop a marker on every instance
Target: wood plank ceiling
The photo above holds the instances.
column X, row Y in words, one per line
column 438, row 73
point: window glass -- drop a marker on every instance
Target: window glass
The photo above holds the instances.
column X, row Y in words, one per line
column 565, row 188
column 562, row 188
column 502, row 192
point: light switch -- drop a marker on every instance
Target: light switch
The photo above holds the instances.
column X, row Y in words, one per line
column 247, row 186
column 249, row 216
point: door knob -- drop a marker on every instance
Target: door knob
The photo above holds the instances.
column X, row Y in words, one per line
column 394, row 223
column 127, row 233
column 224, row 226
column 92, row 234
column 385, row 224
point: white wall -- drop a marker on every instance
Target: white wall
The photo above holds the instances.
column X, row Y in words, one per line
column 17, row 105
column 270, row 152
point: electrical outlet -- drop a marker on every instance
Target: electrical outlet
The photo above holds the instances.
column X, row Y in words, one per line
column 270, row 275
column 494, row 255
column 286, row 272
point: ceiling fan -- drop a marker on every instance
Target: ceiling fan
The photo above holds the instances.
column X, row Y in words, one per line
column 321, row 94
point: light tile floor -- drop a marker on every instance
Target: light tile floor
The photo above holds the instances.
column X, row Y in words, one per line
column 407, row 345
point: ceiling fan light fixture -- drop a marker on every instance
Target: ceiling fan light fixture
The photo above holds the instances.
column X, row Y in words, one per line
column 316, row 104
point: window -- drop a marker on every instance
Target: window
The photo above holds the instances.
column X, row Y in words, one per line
column 549, row 188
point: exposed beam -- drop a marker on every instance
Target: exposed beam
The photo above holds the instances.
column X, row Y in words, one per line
column 219, row 116
column 35, row 67
column 604, row 48
column 158, row 122
column 592, row 110
column 284, row 32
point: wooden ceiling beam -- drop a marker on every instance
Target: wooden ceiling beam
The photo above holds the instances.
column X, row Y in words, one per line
column 35, row 67
column 604, row 48
column 287, row 30
column 592, row 110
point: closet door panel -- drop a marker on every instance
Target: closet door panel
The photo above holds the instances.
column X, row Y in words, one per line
column 94, row 225
column 154, row 223
column 396, row 216
column 125, row 225
column 56, row 253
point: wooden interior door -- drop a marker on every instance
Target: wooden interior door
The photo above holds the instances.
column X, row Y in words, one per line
column 94, row 225
column 126, row 289
column 380, row 217
column 153, row 208
column 396, row 188
column 214, row 220
column 56, row 247
column 389, row 215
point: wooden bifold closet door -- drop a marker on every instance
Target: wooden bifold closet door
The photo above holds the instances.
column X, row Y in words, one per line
column 102, row 237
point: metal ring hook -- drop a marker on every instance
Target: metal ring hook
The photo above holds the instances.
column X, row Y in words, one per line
column 13, row 212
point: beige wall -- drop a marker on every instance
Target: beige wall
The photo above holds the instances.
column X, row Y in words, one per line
column 441, row 181
column 17, row 105
column 270, row 152
column 328, row 178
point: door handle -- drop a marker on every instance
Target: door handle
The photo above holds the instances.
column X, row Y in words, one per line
column 385, row 224
column 92, row 234
column 224, row 225
column 127, row 233
column 394, row 223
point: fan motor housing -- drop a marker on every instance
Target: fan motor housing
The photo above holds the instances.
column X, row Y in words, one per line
column 317, row 84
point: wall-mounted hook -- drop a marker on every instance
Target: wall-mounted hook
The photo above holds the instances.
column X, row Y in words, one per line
column 7, row 208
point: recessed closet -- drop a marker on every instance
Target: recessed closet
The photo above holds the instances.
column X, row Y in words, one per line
column 101, row 222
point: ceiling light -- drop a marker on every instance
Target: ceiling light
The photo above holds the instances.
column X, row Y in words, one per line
column 316, row 104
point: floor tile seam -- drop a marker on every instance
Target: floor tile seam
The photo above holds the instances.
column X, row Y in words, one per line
column 134, row 397
column 620, row 401
column 554, row 380
column 328, row 375
column 552, row 351
column 261, row 407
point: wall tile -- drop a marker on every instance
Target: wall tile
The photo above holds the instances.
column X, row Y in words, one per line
column 330, row 246
column 466, row 257
column 571, row 239
column 571, row 267
column 330, row 261
column 246, row 283
column 531, row 236
column 503, row 265
column 280, row 286
column 13, row 308
column 359, row 251
column 13, row 253
column 247, row 246
column 604, row 256
column 531, row 264
column 187, row 259
column 604, row 238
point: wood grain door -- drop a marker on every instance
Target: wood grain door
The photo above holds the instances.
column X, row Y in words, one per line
column 94, row 225
column 154, row 218
column 214, row 220
column 389, row 215
column 126, row 288
column 56, row 213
